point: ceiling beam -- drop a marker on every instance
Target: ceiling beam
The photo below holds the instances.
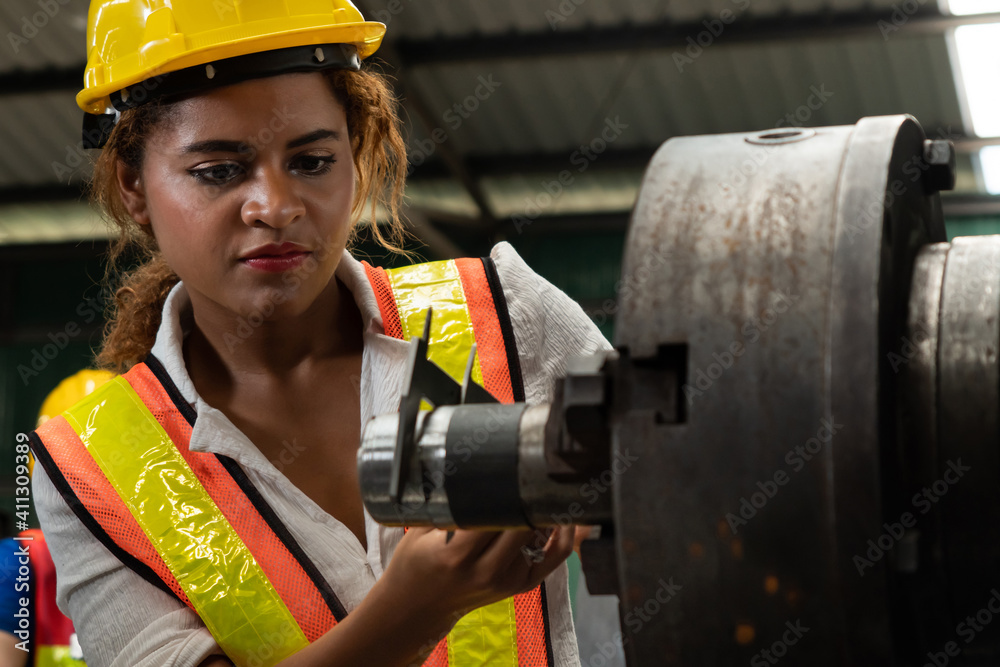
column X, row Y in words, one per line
column 23, row 82
column 46, row 193
column 970, row 205
column 613, row 159
column 883, row 24
column 538, row 163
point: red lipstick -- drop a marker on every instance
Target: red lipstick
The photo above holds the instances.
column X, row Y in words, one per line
column 274, row 257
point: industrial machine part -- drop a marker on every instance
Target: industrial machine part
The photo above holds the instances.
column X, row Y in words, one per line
column 798, row 429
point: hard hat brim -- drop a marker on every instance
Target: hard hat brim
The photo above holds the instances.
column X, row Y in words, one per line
column 219, row 73
column 95, row 98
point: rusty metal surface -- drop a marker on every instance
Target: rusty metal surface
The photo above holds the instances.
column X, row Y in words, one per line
column 771, row 266
column 735, row 233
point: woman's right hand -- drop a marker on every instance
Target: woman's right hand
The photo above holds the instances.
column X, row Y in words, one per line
column 474, row 568
column 431, row 582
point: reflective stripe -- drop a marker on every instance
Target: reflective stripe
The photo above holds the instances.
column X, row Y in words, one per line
column 488, row 635
column 485, row 636
column 437, row 284
column 204, row 553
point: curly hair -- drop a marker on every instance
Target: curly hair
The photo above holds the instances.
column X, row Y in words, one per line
column 134, row 314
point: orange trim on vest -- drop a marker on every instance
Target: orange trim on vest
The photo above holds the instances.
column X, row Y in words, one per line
column 486, row 327
column 285, row 573
column 92, row 490
column 439, row 656
column 529, row 615
column 386, row 301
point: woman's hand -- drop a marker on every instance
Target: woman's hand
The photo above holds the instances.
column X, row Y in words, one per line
column 475, row 568
column 431, row 582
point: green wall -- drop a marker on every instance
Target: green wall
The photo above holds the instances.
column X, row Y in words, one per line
column 50, row 318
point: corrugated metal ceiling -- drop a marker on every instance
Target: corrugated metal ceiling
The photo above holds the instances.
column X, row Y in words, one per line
column 554, row 104
column 426, row 19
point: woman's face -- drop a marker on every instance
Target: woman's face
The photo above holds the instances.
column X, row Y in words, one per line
column 248, row 190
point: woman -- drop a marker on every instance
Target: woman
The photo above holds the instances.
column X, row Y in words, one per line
column 240, row 168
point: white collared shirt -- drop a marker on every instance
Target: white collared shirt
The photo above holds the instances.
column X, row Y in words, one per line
column 124, row 621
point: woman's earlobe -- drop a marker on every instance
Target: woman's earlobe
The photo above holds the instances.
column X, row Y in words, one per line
column 133, row 194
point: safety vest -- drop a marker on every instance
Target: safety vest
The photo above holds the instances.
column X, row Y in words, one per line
column 54, row 633
column 194, row 525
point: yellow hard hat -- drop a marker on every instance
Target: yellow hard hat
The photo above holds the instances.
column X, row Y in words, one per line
column 173, row 46
column 71, row 391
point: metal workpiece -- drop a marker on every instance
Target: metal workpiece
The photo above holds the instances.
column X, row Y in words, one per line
column 783, row 266
column 729, row 252
column 547, row 501
column 467, row 458
column 483, row 466
column 424, row 501
column 578, row 435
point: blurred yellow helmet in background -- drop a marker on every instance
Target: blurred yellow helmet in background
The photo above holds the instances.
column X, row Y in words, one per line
column 71, row 391
column 68, row 393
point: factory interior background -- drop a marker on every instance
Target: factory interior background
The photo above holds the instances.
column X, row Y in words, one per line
column 528, row 121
